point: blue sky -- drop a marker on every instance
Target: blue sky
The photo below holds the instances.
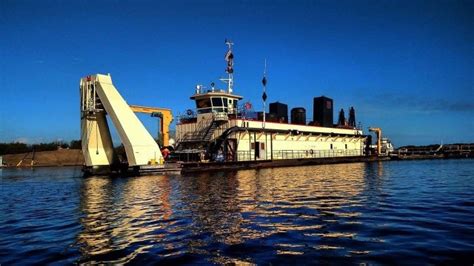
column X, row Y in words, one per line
column 406, row 66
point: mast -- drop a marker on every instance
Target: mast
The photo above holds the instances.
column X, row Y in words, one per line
column 264, row 95
column 229, row 57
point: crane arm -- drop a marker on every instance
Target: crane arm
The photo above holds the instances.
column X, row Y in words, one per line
column 377, row 131
column 166, row 119
column 150, row 110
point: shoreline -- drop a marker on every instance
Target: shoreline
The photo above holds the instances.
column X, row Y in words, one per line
column 56, row 158
column 196, row 167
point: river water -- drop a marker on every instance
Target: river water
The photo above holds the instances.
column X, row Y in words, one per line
column 406, row 212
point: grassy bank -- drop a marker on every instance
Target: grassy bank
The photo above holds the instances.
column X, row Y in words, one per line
column 62, row 157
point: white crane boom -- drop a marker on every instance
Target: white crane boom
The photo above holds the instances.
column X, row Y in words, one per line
column 99, row 97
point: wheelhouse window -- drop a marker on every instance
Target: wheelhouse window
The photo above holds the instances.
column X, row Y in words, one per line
column 203, row 103
column 216, row 102
column 203, row 106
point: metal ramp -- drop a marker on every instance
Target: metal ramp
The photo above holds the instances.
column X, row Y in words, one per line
column 99, row 97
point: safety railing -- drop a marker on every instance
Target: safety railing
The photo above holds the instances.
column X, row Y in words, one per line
column 292, row 154
column 220, row 116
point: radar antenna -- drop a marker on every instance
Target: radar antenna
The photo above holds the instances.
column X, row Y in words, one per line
column 229, row 58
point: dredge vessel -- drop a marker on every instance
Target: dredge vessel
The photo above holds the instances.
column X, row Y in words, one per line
column 218, row 130
column 221, row 133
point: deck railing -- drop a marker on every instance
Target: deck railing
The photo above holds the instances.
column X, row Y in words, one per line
column 291, row 154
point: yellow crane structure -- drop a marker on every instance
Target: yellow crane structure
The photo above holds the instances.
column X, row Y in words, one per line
column 378, row 132
column 165, row 115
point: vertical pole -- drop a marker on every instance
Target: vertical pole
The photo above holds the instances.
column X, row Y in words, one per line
column 264, row 95
column 271, row 146
column 230, row 65
column 266, row 146
column 94, row 93
column 250, row 147
column 160, row 126
column 255, row 146
column 264, row 108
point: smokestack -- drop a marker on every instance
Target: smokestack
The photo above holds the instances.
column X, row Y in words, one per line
column 352, row 117
column 323, row 111
column 342, row 118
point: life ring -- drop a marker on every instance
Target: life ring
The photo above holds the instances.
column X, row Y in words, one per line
column 311, row 151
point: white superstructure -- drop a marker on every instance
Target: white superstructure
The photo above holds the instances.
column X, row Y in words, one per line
column 219, row 131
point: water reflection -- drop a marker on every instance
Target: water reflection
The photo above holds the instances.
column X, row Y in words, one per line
column 339, row 214
column 374, row 179
column 212, row 201
column 121, row 212
column 259, row 204
column 305, row 202
column 186, row 214
column 323, row 211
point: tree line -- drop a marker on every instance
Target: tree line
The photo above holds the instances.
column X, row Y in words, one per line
column 17, row 147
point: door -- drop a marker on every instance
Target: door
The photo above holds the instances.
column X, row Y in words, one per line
column 257, row 150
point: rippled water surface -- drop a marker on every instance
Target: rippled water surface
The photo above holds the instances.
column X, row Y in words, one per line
column 391, row 212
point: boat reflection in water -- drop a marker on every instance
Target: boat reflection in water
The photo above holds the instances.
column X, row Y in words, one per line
column 123, row 217
column 222, row 217
column 407, row 212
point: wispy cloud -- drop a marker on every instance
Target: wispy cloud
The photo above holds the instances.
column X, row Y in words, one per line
column 459, row 106
column 421, row 103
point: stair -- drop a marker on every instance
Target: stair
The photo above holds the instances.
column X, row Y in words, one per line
column 210, row 131
column 202, row 136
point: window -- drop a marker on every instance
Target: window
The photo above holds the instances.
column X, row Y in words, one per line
column 204, row 110
column 203, row 103
column 216, row 101
column 346, row 146
column 225, row 102
column 331, row 146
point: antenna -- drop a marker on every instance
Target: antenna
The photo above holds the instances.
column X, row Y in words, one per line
column 265, row 68
column 229, row 43
column 229, row 57
column 264, row 95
